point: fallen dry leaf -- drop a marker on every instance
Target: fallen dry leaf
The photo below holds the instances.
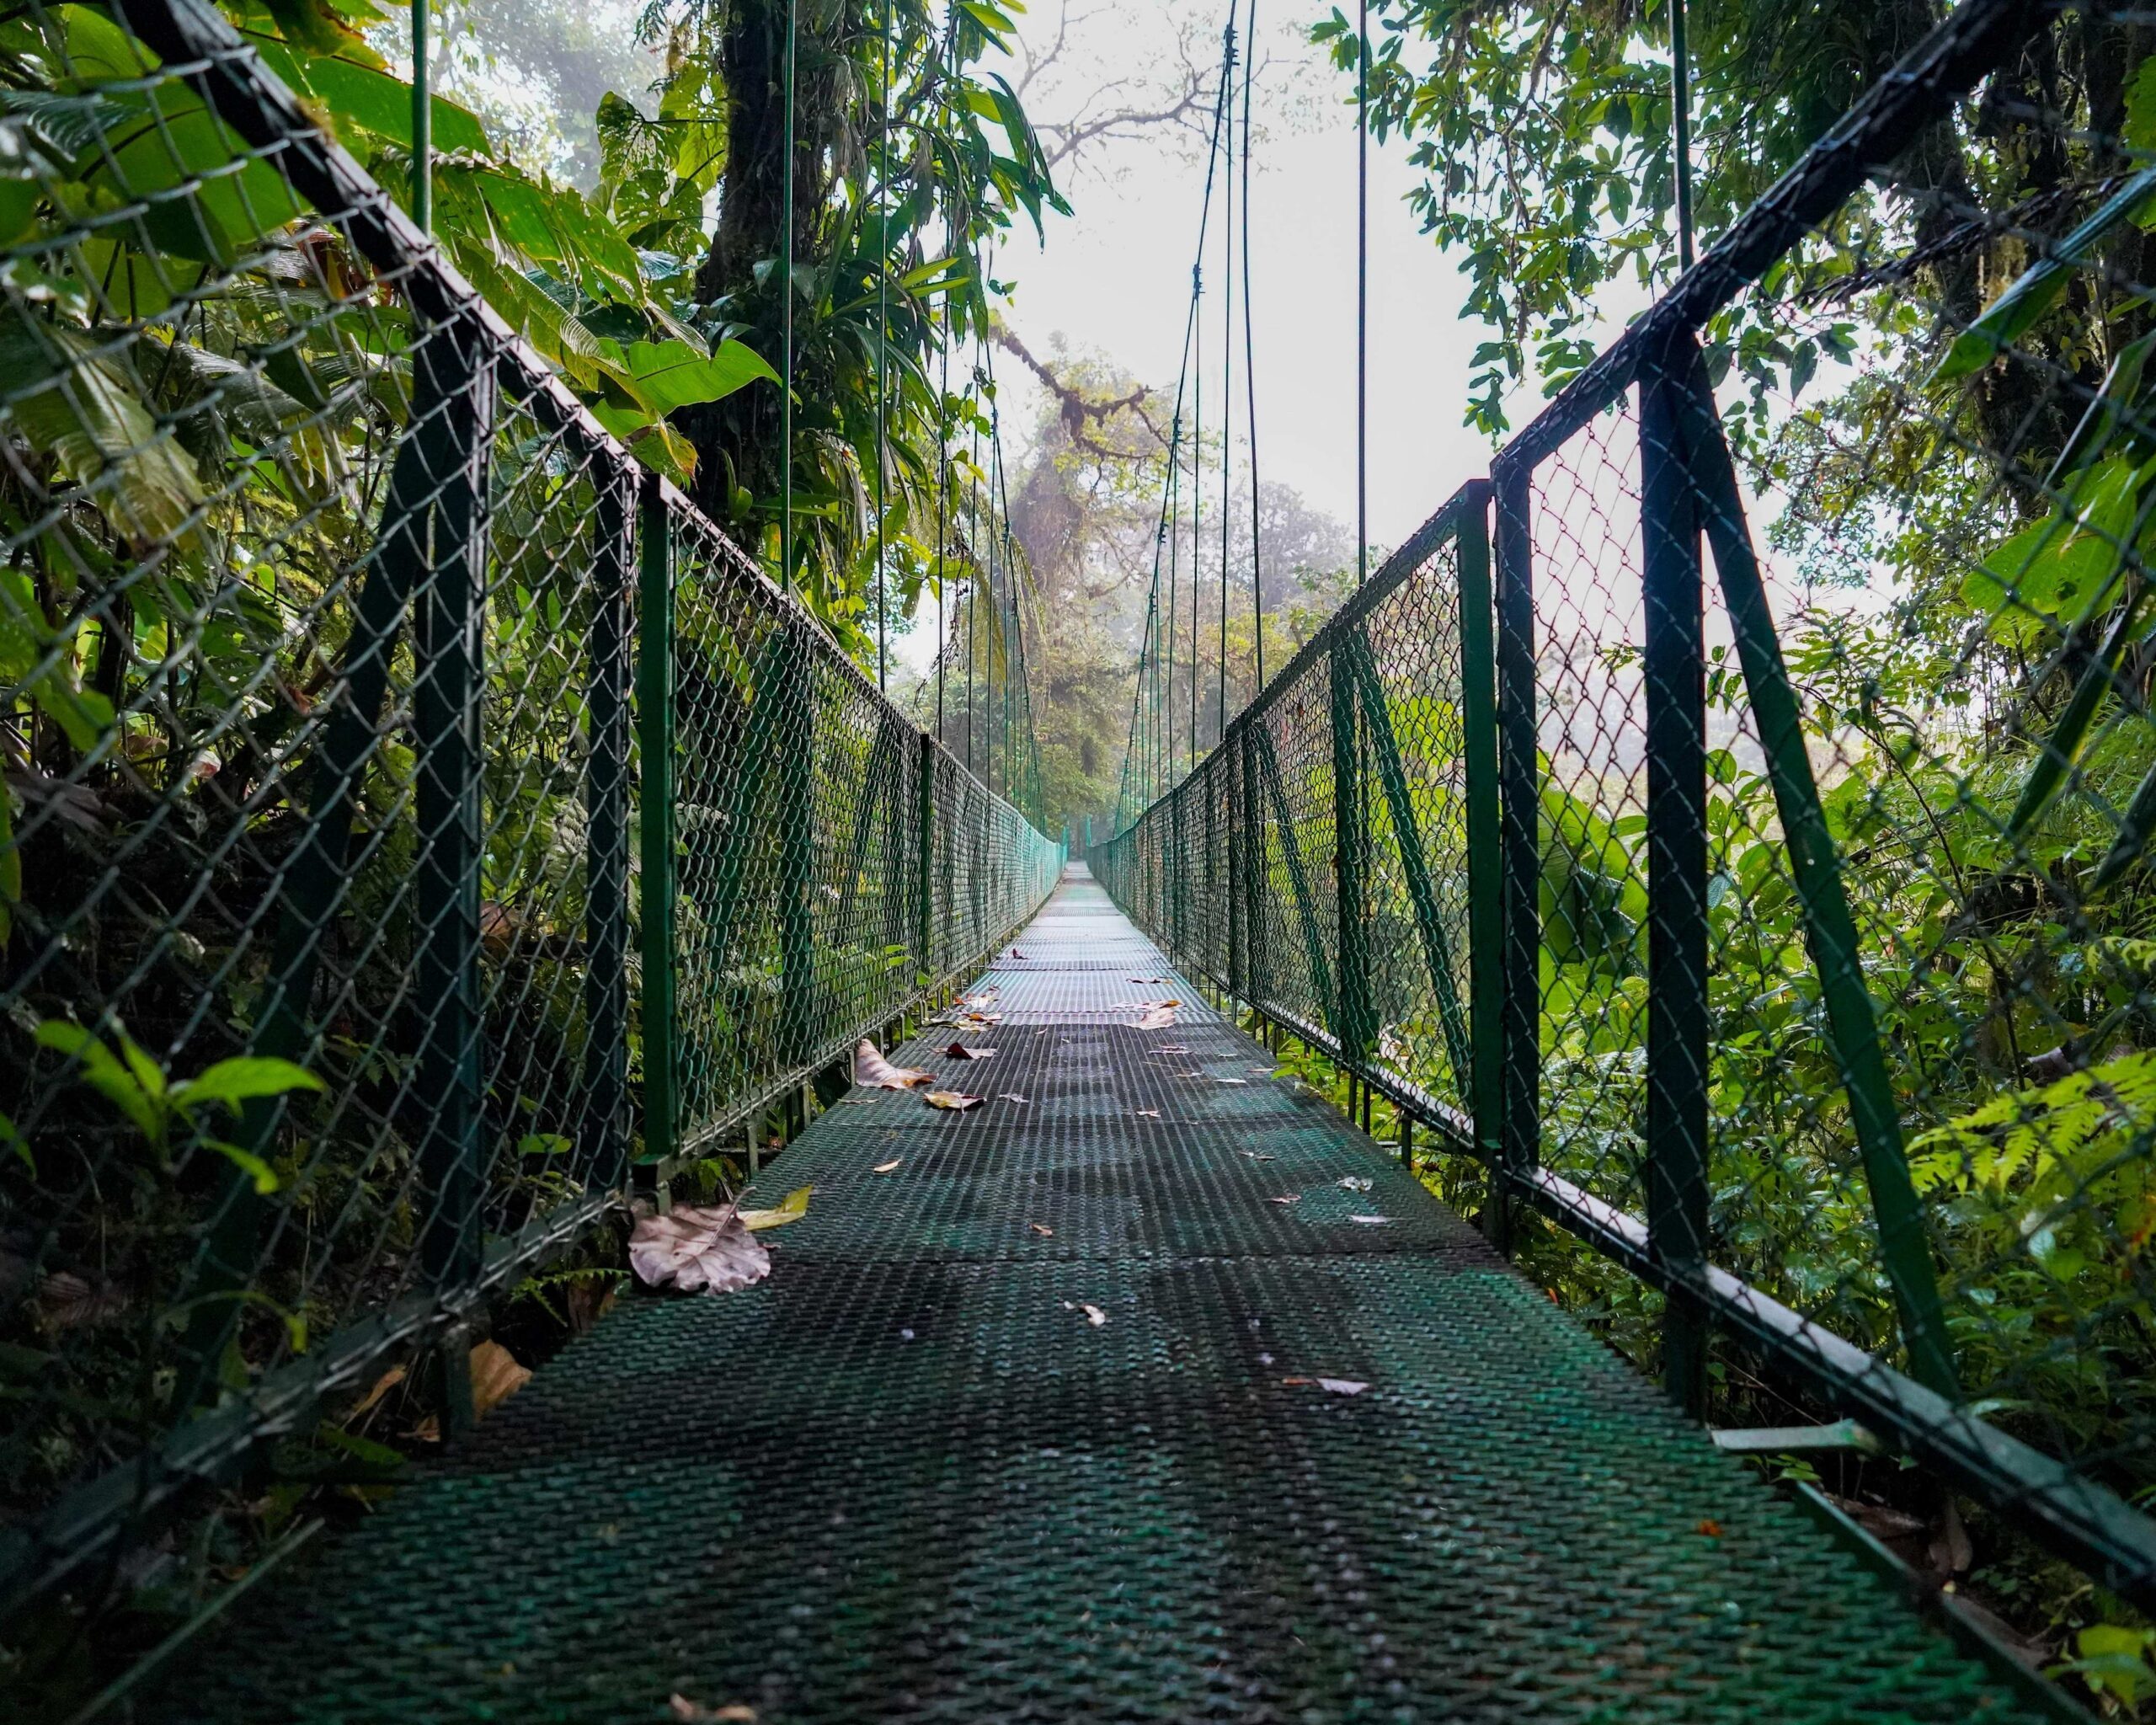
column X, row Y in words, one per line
column 1355, row 1183
column 1231, row 1080
column 1094, row 1314
column 1261, row 1156
column 959, row 1051
column 1013, row 1096
column 495, row 1377
column 382, row 1385
column 790, row 1209
column 1042, row 1229
column 1331, row 1386
column 886, row 1167
column 694, row 1713
column 1292, row 1198
column 1147, row 1113
column 1158, row 1017
column 872, row 1070
column 1710, row 1527
column 1168, row 1048
column 957, row 1101
column 1372, row 1221
column 690, row 1249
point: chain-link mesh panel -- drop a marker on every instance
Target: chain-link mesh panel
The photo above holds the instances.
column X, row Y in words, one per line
column 1816, row 988
column 325, row 767
column 1357, row 749
column 1948, row 490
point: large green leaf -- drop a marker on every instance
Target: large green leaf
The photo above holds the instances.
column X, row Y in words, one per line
column 378, row 103
column 672, row 374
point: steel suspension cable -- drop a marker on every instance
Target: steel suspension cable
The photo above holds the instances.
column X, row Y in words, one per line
column 882, row 336
column 1154, row 698
column 1363, row 293
column 786, row 308
column 1250, row 377
column 1227, row 368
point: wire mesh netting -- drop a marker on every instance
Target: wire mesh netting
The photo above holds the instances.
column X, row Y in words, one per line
column 1823, row 649
column 326, row 851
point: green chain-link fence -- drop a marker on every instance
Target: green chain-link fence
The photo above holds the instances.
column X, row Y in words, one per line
column 1778, row 920
column 415, row 815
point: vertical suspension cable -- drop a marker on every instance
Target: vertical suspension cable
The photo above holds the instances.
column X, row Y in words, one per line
column 1198, row 452
column 1680, row 106
column 786, row 310
column 882, row 336
column 1250, row 377
column 423, row 122
column 1363, row 293
column 973, row 561
column 942, row 517
column 1227, row 364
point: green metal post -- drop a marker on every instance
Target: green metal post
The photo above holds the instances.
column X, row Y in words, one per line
column 448, row 687
column 606, row 1147
column 1520, row 821
column 924, row 857
column 1904, row 1246
column 1486, row 927
column 1231, row 756
column 655, row 821
column 1351, row 862
column 1257, row 921
column 1673, row 665
column 794, row 747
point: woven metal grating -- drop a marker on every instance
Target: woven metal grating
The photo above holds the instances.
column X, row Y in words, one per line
column 908, row 1478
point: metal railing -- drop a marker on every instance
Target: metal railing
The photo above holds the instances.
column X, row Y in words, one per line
column 1800, row 969
column 417, row 815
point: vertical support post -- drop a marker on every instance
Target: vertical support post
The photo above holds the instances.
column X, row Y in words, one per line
column 1256, row 974
column 1231, row 773
column 605, row 1151
column 1520, row 822
column 925, row 858
column 1350, row 861
column 794, row 743
column 1674, row 671
column 1485, row 915
column 655, row 825
column 447, row 691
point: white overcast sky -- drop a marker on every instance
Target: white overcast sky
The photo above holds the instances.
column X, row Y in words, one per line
column 1115, row 276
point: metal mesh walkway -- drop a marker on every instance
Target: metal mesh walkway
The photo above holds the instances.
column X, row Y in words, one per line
column 909, row 1478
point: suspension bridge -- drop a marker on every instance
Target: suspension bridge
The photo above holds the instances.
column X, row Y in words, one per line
column 1131, row 1364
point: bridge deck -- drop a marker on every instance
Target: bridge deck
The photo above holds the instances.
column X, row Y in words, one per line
column 908, row 1478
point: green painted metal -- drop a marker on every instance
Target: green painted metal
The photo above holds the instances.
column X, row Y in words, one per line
column 448, row 643
column 794, row 741
column 924, row 859
column 1904, row 1248
column 960, row 1488
column 1519, row 1138
column 1478, row 698
column 1407, row 835
column 607, row 800
column 658, row 889
column 1674, row 667
column 1355, row 1024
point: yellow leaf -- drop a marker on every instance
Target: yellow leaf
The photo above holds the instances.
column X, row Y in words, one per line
column 794, row 1206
